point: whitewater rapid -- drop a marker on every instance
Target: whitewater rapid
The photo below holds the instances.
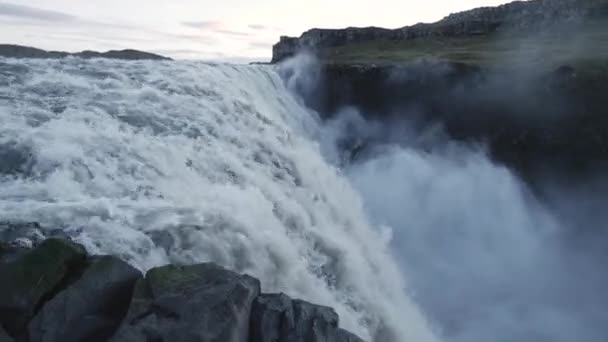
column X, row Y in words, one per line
column 185, row 162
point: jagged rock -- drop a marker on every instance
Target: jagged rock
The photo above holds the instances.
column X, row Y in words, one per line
column 17, row 51
column 10, row 252
column 22, row 234
column 34, row 278
column 53, row 292
column 278, row 318
column 190, row 303
column 27, row 234
column 4, row 336
column 16, row 238
column 90, row 309
column 346, row 336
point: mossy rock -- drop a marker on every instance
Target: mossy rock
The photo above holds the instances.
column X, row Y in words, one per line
column 172, row 278
column 35, row 277
column 92, row 307
column 202, row 302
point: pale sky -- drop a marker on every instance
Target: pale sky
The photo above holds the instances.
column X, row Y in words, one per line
column 202, row 29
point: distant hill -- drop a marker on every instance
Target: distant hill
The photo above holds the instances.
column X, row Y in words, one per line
column 17, row 51
column 481, row 35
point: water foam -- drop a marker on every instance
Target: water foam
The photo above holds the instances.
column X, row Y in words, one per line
column 189, row 162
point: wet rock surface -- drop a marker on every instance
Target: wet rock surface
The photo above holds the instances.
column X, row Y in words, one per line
column 92, row 307
column 51, row 290
column 4, row 336
column 278, row 318
column 190, row 303
column 33, row 278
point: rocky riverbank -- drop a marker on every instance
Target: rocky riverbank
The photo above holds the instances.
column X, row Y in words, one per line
column 52, row 290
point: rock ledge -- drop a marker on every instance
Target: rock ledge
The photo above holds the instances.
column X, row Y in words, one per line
column 51, row 290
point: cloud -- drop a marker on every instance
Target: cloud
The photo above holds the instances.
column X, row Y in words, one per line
column 233, row 33
column 215, row 27
column 258, row 27
column 19, row 11
column 194, row 38
column 204, row 25
column 260, row 45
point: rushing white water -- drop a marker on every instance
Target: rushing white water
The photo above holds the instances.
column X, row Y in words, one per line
column 486, row 258
column 189, row 162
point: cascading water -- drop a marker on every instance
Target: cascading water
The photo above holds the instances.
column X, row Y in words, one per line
column 188, row 162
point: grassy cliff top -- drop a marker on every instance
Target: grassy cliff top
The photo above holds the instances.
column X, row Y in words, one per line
column 584, row 44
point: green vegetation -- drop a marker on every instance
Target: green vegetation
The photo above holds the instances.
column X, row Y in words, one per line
column 584, row 44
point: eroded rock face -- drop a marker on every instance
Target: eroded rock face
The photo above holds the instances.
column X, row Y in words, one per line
column 531, row 120
column 278, row 318
column 90, row 309
column 190, row 303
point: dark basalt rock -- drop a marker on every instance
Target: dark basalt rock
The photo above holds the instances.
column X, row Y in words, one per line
column 346, row 336
column 91, row 308
column 35, row 277
column 17, row 238
column 4, row 336
column 278, row 318
column 530, row 120
column 52, row 292
column 10, row 252
column 190, row 303
column 17, row 51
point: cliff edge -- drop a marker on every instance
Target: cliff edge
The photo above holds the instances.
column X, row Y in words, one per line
column 526, row 79
column 464, row 32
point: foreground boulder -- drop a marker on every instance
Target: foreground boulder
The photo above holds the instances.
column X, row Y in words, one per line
column 33, row 278
column 52, row 291
column 90, row 309
column 190, row 303
column 278, row 318
column 4, row 336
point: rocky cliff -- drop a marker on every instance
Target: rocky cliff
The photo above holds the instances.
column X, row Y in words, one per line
column 530, row 120
column 518, row 15
column 525, row 79
column 52, row 290
column 17, row 51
